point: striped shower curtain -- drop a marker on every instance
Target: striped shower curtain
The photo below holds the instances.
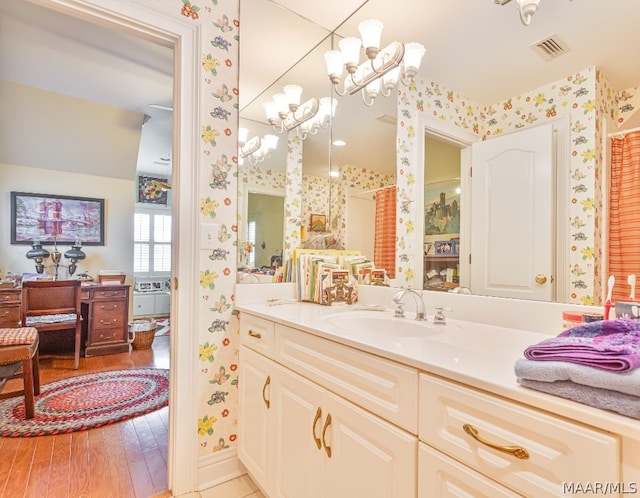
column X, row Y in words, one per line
column 384, row 242
column 624, row 213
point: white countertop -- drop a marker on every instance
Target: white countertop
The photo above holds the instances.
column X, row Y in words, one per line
column 479, row 355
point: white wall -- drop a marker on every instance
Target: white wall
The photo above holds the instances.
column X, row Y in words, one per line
column 119, row 195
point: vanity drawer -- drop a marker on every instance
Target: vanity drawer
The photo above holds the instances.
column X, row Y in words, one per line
column 257, row 333
column 558, row 451
column 388, row 389
column 441, row 476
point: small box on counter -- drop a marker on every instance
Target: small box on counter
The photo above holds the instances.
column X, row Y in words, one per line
column 627, row 309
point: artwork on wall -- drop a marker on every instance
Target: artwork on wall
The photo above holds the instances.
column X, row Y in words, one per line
column 318, row 223
column 150, row 190
column 442, row 210
column 59, row 218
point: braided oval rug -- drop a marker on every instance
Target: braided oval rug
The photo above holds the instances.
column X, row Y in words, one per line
column 87, row 401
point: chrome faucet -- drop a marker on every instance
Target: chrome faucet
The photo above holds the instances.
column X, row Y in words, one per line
column 420, row 308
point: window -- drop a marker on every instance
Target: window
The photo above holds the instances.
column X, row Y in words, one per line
column 251, row 238
column 152, row 243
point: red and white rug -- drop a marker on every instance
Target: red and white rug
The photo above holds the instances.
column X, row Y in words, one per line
column 87, row 401
column 162, row 327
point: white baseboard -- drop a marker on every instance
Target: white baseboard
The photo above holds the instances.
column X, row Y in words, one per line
column 219, row 467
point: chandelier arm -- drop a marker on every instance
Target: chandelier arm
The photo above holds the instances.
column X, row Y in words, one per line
column 364, row 99
column 275, row 127
column 385, row 94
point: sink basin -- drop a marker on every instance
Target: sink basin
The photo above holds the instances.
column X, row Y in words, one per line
column 376, row 323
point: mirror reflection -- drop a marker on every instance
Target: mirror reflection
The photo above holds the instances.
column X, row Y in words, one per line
column 479, row 97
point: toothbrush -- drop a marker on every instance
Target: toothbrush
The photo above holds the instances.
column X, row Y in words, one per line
column 631, row 280
column 608, row 304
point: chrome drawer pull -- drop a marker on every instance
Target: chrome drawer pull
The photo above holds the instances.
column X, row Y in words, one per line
column 6, row 313
column 6, row 298
column 107, row 336
column 114, row 307
column 110, row 322
column 517, row 451
column 255, row 334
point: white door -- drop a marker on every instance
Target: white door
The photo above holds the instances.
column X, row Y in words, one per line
column 369, row 457
column 512, row 215
column 360, row 222
column 254, row 417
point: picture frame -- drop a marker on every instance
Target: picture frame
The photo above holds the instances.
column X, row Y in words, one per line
column 60, row 219
column 446, row 247
column 318, row 223
column 150, row 190
column 442, row 208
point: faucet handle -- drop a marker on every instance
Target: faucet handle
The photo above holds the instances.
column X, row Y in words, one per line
column 399, row 312
column 439, row 318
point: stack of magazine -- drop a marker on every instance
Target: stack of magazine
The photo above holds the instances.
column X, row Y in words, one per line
column 329, row 276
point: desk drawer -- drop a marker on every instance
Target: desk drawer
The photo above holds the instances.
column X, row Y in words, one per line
column 108, row 314
column 108, row 294
column 10, row 297
column 9, row 316
column 558, row 451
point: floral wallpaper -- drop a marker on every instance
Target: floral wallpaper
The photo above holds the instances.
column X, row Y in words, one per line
column 584, row 97
column 218, row 339
column 293, row 196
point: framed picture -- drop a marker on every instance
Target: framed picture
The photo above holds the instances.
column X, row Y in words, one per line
column 442, row 209
column 60, row 218
column 150, row 190
column 318, row 223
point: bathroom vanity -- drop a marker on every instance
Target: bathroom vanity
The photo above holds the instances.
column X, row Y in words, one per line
column 342, row 403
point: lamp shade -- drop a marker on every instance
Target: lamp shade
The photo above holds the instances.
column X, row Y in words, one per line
column 75, row 252
column 37, row 251
column 413, row 53
column 293, row 94
column 350, row 48
column 335, row 63
column 371, row 32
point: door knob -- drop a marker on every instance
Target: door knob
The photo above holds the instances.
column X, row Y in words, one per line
column 541, row 279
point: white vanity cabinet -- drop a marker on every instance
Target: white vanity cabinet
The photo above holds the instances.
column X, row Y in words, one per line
column 298, row 438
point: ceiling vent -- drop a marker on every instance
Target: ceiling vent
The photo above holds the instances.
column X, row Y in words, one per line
column 385, row 118
column 550, row 48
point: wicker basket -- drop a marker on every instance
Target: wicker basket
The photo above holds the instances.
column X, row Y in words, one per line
column 142, row 332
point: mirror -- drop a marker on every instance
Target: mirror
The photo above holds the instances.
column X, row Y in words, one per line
column 483, row 76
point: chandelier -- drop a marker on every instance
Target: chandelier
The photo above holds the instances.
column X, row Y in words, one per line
column 255, row 148
column 284, row 112
column 382, row 69
column 526, row 8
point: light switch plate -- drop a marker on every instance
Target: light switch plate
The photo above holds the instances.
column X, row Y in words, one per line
column 209, row 235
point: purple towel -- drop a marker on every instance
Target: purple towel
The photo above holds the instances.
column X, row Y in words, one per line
column 606, row 344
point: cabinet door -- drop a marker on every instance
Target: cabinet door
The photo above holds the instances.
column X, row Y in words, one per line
column 254, row 416
column 299, row 416
column 163, row 304
column 369, row 456
column 143, row 305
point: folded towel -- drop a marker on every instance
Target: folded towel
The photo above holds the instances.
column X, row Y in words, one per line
column 613, row 401
column 606, row 344
column 551, row 371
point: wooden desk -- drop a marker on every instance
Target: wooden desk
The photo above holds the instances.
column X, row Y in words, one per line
column 105, row 313
column 10, row 299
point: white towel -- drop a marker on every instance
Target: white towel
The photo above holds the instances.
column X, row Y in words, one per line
column 604, row 399
column 551, row 371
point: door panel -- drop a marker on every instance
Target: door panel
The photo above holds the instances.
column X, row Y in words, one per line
column 513, row 208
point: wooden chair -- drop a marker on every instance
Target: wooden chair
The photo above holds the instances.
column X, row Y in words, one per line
column 53, row 305
column 19, row 348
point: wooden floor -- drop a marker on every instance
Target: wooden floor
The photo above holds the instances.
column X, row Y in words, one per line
column 123, row 460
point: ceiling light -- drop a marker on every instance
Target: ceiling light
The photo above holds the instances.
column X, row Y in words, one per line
column 255, row 148
column 339, row 143
column 382, row 69
column 285, row 112
column 527, row 8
